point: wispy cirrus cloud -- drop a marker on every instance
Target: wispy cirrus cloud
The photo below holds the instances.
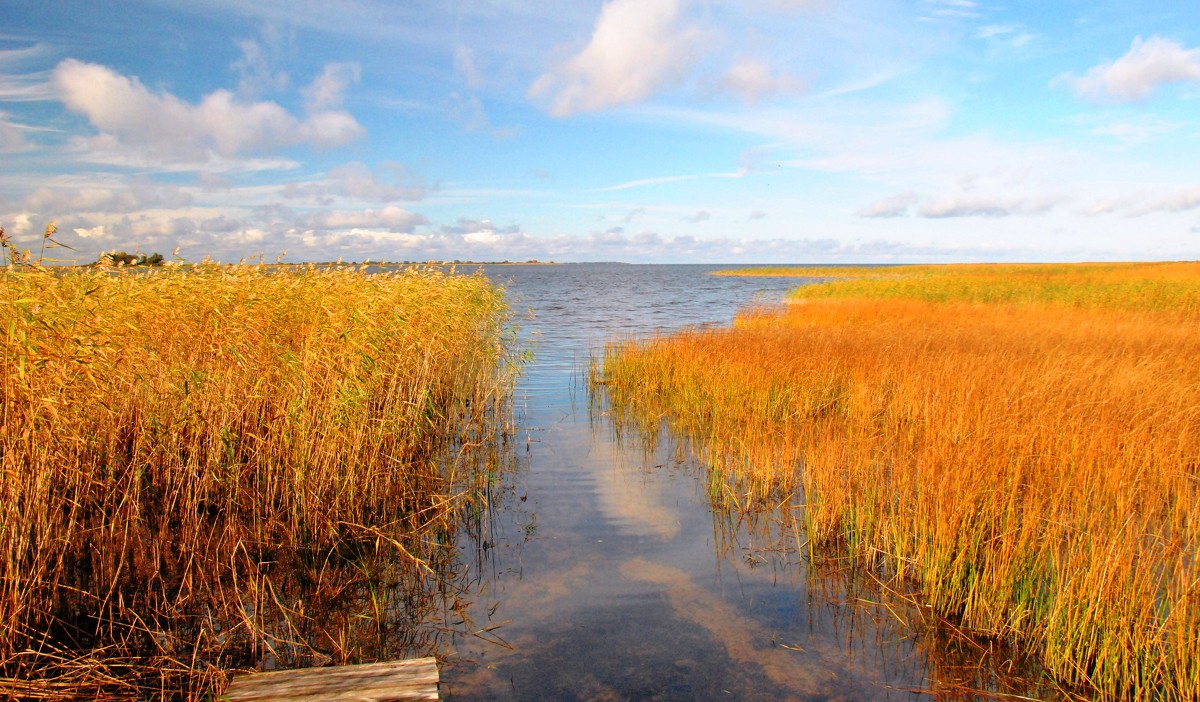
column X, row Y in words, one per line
column 669, row 179
column 17, row 82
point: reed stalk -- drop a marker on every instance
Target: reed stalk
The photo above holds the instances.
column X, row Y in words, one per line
column 1021, row 444
column 227, row 466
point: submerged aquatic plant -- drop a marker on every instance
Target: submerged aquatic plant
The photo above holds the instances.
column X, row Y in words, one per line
column 1021, row 444
column 229, row 466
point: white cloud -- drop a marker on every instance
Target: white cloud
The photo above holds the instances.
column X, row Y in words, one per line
column 752, row 80
column 16, row 83
column 329, row 89
column 953, row 9
column 12, row 136
column 1181, row 201
column 669, row 179
column 1148, row 64
column 894, row 206
column 96, row 232
column 254, row 69
column 356, row 181
column 391, row 218
column 107, row 198
column 986, row 206
column 1012, row 36
column 468, row 109
column 637, row 48
column 1145, row 203
column 466, row 227
column 1136, row 130
column 485, row 236
column 464, row 63
column 162, row 126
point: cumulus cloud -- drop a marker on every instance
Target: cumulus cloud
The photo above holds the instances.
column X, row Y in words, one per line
column 1148, row 64
column 113, row 199
column 637, row 48
column 96, row 232
column 130, row 115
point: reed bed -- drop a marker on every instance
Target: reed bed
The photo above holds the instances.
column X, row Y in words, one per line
column 227, row 467
column 1019, row 445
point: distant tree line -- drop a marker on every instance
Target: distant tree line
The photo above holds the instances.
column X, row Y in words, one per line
column 120, row 258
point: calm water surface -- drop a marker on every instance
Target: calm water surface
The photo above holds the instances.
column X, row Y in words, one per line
column 605, row 575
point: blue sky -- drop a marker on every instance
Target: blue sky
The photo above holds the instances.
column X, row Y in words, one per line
column 627, row 130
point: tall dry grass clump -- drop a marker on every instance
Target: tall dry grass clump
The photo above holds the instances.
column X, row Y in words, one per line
column 228, row 466
column 1020, row 444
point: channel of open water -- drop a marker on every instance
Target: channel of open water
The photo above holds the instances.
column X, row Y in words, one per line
column 603, row 573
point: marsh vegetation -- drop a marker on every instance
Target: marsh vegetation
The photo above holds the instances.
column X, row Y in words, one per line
column 231, row 467
column 1015, row 449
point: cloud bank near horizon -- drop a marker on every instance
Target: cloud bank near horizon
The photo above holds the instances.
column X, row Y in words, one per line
column 639, row 130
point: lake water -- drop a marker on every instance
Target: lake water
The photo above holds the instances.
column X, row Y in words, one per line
column 604, row 574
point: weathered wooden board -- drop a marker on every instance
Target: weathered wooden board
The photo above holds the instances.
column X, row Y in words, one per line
column 413, row 679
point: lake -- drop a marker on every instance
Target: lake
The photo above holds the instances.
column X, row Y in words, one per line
column 602, row 571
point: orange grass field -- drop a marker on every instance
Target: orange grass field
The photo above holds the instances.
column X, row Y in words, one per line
column 1019, row 444
column 227, row 466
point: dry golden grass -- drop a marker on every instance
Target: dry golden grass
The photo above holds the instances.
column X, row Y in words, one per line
column 1026, row 451
column 210, row 468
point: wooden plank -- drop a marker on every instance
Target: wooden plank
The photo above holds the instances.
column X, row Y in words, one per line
column 413, row 679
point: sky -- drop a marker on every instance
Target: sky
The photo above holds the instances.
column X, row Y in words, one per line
column 674, row 131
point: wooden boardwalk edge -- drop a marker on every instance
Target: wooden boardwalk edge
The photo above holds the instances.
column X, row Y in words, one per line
column 412, row 679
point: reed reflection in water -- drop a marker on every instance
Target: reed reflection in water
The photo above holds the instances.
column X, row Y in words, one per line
column 611, row 576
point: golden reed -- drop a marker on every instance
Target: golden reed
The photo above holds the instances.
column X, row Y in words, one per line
column 1020, row 443
column 211, row 467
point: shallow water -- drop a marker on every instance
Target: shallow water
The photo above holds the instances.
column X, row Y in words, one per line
column 603, row 572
